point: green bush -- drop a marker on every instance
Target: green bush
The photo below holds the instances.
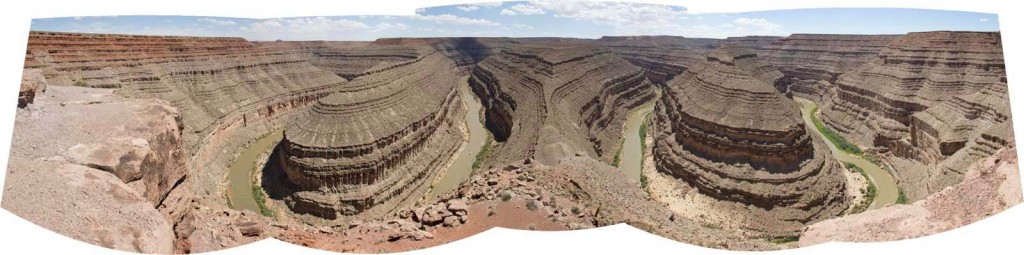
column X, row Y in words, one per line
column 835, row 137
column 532, row 205
column 486, row 149
column 784, row 239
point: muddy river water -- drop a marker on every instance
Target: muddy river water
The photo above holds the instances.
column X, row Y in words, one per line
column 887, row 191
column 462, row 167
column 240, row 174
column 631, row 155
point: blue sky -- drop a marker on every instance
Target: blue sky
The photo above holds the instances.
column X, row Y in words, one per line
column 539, row 18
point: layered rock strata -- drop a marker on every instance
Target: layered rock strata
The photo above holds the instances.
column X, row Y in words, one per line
column 552, row 102
column 375, row 143
column 661, row 57
column 753, row 154
column 209, row 79
column 921, row 100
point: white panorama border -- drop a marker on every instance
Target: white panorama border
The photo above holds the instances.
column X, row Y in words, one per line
column 997, row 234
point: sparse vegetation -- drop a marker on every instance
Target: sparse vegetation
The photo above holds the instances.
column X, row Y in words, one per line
column 643, row 153
column 484, row 151
column 836, row 138
column 783, row 239
column 532, row 226
column 618, row 155
column 81, row 83
column 576, row 210
column 505, row 196
column 257, row 194
column 711, row 226
column 869, row 192
column 532, row 205
column 902, row 198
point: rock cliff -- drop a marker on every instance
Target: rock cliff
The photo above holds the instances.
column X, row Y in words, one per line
column 752, row 156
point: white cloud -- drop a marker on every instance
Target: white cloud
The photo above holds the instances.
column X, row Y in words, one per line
column 522, row 26
column 983, row 19
column 218, row 21
column 488, row 4
column 390, row 26
column 452, row 19
column 468, row 8
column 624, row 18
column 523, row 9
column 305, row 28
column 742, row 26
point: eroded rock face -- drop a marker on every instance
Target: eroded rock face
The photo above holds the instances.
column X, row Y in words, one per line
column 752, row 155
column 32, row 83
column 377, row 142
column 210, row 80
column 79, row 169
column 921, row 100
column 551, row 102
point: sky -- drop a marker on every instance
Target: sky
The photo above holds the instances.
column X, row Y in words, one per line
column 544, row 18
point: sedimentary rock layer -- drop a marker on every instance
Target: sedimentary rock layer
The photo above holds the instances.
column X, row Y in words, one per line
column 208, row 79
column 921, row 100
column 376, row 142
column 724, row 129
column 554, row 100
column 661, row 57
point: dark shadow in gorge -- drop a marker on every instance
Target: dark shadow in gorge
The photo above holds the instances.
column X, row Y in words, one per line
column 274, row 182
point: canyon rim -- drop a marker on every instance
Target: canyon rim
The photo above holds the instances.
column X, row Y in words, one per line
column 385, row 134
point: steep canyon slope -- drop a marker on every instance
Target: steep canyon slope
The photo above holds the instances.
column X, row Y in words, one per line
column 368, row 126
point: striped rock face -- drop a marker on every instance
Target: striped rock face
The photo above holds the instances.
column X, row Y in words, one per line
column 557, row 99
column 922, row 100
column 376, row 142
column 752, row 154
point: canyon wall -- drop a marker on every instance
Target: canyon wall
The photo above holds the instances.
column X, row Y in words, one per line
column 555, row 100
column 921, row 100
column 752, row 155
column 376, row 142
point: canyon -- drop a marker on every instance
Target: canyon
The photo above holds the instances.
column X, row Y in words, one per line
column 205, row 143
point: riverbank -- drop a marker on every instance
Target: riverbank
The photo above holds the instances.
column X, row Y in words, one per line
column 886, row 190
column 240, row 174
column 460, row 169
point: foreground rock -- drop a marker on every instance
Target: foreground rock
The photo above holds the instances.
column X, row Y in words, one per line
column 578, row 193
column 32, row 83
column 72, row 154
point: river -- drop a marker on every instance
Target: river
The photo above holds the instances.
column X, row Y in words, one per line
column 460, row 169
column 887, row 192
column 240, row 174
column 631, row 156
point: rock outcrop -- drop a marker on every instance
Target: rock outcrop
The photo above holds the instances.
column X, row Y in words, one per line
column 79, row 169
column 752, row 155
column 375, row 143
column 990, row 186
column 32, row 83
